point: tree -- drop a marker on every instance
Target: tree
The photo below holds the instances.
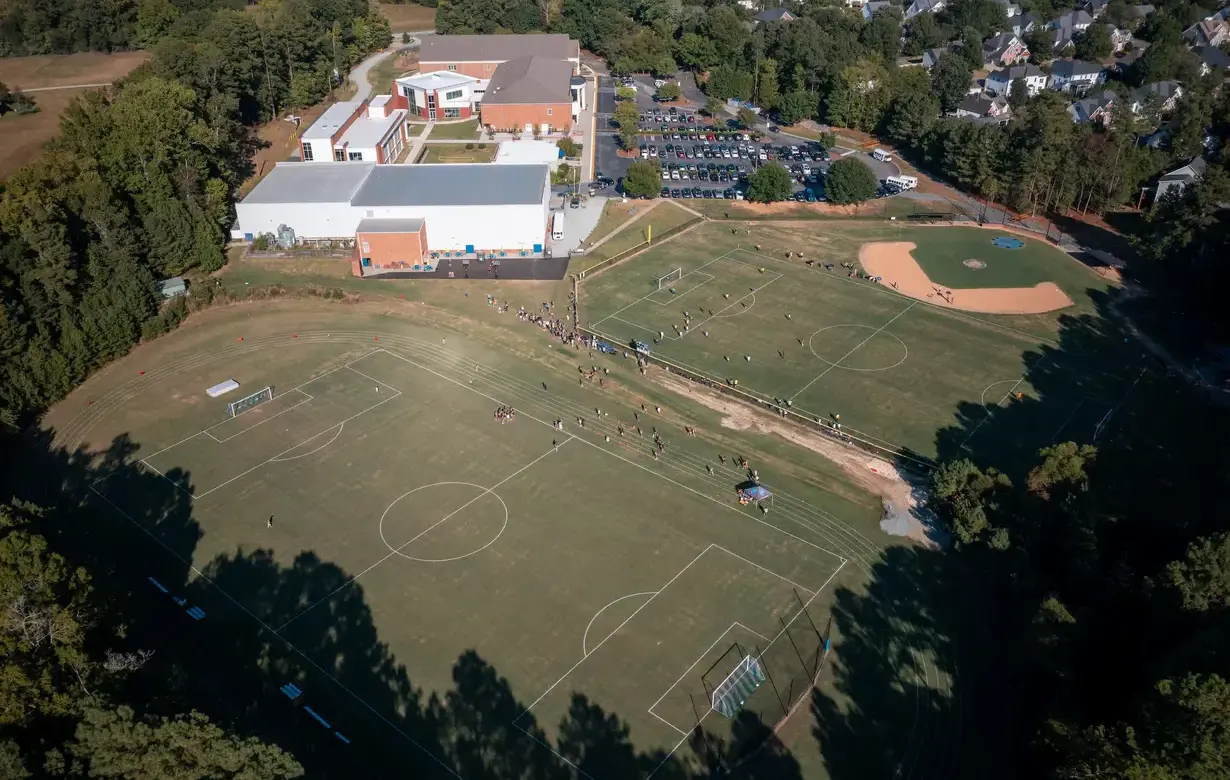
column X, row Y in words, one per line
column 405, row 38
column 16, row 101
column 713, row 107
column 725, row 28
column 695, row 52
column 643, row 179
column 985, row 16
column 626, row 115
column 1093, row 43
column 767, row 94
column 625, row 93
column 971, row 47
column 770, row 183
column 1018, row 93
column 1202, row 578
column 669, row 91
column 154, row 19
column 968, row 498
column 859, row 96
column 116, row 743
column 746, row 118
column 914, row 109
column 849, row 180
column 1040, row 44
column 794, row 107
column 950, row 78
column 924, row 32
column 882, row 34
column 726, row 82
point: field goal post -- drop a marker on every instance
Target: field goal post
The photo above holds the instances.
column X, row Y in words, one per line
column 236, row 408
column 730, row 694
column 670, row 277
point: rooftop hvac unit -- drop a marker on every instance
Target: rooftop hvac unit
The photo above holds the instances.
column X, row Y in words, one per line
column 286, row 237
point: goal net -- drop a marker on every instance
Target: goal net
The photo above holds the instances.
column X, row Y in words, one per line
column 728, row 697
column 673, row 276
column 236, row 408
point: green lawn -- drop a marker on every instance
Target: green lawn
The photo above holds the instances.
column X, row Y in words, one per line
column 943, row 255
column 456, row 131
column 664, row 216
column 383, row 458
column 899, row 372
column 458, row 153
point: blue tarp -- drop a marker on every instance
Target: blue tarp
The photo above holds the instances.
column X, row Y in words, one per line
column 756, row 492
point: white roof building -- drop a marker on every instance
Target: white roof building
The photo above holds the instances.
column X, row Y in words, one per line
column 353, row 131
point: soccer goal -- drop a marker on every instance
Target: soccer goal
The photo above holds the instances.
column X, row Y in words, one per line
column 674, row 275
column 236, row 408
column 729, row 696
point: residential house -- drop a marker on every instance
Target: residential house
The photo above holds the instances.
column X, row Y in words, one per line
column 1000, row 81
column 1178, row 180
column 869, row 9
column 1065, row 28
column 923, row 6
column 775, row 15
column 1119, row 38
column 855, row 3
column 1096, row 8
column 1207, row 32
column 1093, row 108
column 354, row 131
column 980, row 107
column 932, row 56
column 1004, row 49
column 1165, row 94
column 1212, row 60
column 1023, row 23
column 1133, row 52
column 1075, row 75
column 1136, row 14
column 1010, row 9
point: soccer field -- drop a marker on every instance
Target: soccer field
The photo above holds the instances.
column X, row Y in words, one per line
column 574, row 561
column 899, row 372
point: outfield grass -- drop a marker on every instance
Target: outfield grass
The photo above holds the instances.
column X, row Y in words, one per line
column 616, row 212
column 663, row 217
column 456, row 131
column 896, row 370
column 942, row 254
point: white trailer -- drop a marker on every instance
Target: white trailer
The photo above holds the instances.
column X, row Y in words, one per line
column 557, row 226
column 882, row 155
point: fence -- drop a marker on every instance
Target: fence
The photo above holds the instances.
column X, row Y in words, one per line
column 901, row 455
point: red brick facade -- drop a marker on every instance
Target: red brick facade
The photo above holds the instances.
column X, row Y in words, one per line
column 389, row 251
column 479, row 70
column 516, row 117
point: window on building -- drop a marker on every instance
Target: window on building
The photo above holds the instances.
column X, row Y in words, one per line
column 452, row 113
column 548, row 112
column 452, row 68
column 454, row 95
column 307, row 152
column 339, row 155
column 356, row 156
column 487, row 66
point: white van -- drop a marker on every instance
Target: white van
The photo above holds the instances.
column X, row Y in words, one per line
column 557, row 226
column 901, row 183
column 882, row 155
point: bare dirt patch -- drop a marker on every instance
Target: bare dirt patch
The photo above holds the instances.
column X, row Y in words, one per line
column 281, row 139
column 897, row 268
column 904, row 492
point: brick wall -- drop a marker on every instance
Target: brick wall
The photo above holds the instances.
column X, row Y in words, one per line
column 386, row 249
column 479, row 70
column 503, row 117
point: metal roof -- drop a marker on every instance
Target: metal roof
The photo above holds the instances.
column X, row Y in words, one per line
column 436, row 79
column 452, row 185
column 389, row 226
column 332, row 119
column 530, row 80
column 496, row 48
column 366, row 133
column 310, row 182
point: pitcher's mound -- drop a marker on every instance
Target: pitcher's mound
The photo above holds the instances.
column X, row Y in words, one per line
column 897, row 268
column 977, row 265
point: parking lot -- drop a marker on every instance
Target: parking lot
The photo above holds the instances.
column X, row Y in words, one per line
column 708, row 157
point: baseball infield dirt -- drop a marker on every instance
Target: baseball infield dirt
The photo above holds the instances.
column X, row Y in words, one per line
column 897, row 268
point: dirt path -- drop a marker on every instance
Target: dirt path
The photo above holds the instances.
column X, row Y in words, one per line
column 897, row 269
column 906, row 493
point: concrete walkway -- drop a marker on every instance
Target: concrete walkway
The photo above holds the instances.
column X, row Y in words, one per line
column 416, row 143
column 358, row 74
column 621, row 227
column 70, row 86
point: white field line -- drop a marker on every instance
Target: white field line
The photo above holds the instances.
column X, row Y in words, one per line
column 307, row 399
column 990, row 412
column 1067, row 420
column 266, row 627
column 439, row 522
column 585, row 636
column 767, row 571
column 655, row 292
column 837, row 363
column 686, row 672
column 675, row 299
column 751, row 294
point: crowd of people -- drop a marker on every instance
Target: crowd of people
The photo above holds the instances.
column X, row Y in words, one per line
column 505, row 414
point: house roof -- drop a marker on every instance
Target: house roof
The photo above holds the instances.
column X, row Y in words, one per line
column 529, row 80
column 1083, row 110
column 436, row 79
column 452, row 185
column 1193, row 170
column 496, row 48
column 1016, row 72
column 408, row 225
column 976, row 104
column 1213, row 56
column 998, row 43
column 922, row 6
column 332, row 120
column 366, row 132
column 1163, row 89
column 932, row 56
column 1070, row 21
column 174, row 283
column 1074, row 68
column 775, row 15
column 870, row 8
column 311, row 182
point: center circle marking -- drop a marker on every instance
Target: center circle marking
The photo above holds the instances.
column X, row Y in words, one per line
column 905, row 351
column 482, row 492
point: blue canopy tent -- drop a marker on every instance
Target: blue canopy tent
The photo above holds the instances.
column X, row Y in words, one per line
column 749, row 492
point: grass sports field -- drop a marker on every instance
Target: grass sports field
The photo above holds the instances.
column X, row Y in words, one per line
column 897, row 370
column 579, row 568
